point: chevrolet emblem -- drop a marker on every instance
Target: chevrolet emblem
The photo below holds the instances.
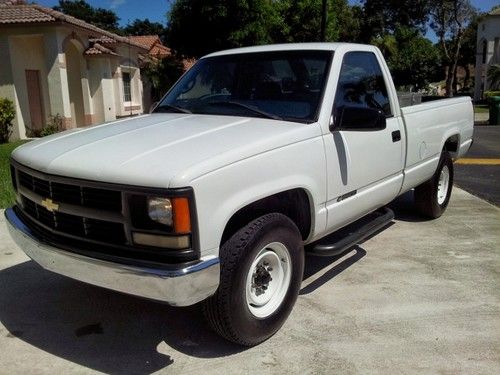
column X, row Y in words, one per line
column 49, row 205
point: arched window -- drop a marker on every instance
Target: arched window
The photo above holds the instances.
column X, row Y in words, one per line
column 485, row 51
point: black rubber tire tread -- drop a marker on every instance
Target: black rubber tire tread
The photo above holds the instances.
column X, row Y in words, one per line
column 217, row 309
column 426, row 193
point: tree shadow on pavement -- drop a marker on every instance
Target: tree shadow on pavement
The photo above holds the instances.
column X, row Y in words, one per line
column 99, row 329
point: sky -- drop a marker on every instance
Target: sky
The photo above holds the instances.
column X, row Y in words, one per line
column 155, row 10
column 127, row 10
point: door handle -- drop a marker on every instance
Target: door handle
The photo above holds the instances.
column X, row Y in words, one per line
column 396, row 136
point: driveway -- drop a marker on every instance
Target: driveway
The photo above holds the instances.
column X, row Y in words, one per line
column 418, row 297
column 479, row 171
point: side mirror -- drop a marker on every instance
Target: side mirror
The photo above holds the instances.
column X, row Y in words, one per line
column 153, row 105
column 360, row 119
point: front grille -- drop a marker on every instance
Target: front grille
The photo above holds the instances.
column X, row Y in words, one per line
column 87, row 217
column 103, row 199
column 93, row 229
column 79, row 200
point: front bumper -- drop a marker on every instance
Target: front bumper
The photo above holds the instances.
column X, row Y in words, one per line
column 177, row 287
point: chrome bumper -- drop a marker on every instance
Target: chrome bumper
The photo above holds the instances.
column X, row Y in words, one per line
column 179, row 287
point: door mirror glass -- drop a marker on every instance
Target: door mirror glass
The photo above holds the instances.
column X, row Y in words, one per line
column 360, row 119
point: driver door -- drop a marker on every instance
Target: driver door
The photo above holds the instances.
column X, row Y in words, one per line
column 365, row 150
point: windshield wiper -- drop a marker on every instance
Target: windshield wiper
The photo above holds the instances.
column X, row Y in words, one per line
column 171, row 108
column 248, row 107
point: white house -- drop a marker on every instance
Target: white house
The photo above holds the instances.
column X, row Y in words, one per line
column 488, row 50
column 52, row 63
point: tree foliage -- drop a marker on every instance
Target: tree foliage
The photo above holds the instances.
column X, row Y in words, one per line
column 449, row 21
column 382, row 16
column 197, row 27
column 7, row 114
column 144, row 27
column 103, row 18
column 163, row 74
column 413, row 59
column 494, row 76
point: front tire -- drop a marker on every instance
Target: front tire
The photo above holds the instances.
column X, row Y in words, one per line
column 433, row 196
column 261, row 273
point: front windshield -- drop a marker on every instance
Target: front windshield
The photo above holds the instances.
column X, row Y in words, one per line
column 284, row 85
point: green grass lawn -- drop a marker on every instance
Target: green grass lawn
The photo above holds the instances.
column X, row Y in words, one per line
column 481, row 108
column 6, row 192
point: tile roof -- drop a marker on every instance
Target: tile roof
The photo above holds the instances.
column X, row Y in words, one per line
column 103, row 40
column 153, row 44
column 33, row 13
column 188, row 63
column 146, row 41
column 98, row 49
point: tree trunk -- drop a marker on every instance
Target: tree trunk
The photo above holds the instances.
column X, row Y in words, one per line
column 455, row 79
column 467, row 76
column 449, row 82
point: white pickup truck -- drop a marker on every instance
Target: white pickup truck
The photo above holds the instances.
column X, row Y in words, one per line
column 253, row 158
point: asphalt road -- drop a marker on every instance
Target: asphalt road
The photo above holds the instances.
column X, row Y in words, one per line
column 418, row 297
column 482, row 180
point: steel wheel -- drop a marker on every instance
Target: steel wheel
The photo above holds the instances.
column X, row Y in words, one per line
column 443, row 183
column 432, row 196
column 268, row 280
column 262, row 266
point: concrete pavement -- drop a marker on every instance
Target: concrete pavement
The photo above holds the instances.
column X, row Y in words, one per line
column 419, row 297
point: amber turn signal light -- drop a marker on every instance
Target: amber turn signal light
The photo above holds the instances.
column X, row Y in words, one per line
column 181, row 215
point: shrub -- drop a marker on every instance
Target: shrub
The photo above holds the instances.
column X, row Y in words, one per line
column 494, row 76
column 487, row 94
column 54, row 125
column 7, row 114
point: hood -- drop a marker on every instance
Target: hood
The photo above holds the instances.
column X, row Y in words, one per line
column 158, row 150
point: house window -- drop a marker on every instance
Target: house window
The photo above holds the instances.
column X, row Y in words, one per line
column 127, row 94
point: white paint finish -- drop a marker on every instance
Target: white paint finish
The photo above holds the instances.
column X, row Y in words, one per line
column 418, row 173
column 368, row 199
column 159, row 150
column 223, row 192
column 233, row 161
column 433, row 123
column 358, row 160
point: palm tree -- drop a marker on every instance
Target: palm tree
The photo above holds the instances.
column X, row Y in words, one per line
column 494, row 76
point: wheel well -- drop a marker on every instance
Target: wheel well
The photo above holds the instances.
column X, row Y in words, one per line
column 292, row 203
column 451, row 144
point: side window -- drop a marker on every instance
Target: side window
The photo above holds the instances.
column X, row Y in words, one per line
column 361, row 84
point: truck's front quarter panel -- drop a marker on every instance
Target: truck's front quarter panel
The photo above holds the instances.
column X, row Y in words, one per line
column 222, row 192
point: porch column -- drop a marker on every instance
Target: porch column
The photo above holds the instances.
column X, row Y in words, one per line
column 57, row 78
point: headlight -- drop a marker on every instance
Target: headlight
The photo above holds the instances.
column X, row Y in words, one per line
column 160, row 210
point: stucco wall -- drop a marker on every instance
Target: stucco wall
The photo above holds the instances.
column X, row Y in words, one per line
column 488, row 31
column 43, row 48
column 26, row 53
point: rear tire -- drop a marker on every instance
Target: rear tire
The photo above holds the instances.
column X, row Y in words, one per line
column 261, row 273
column 432, row 197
